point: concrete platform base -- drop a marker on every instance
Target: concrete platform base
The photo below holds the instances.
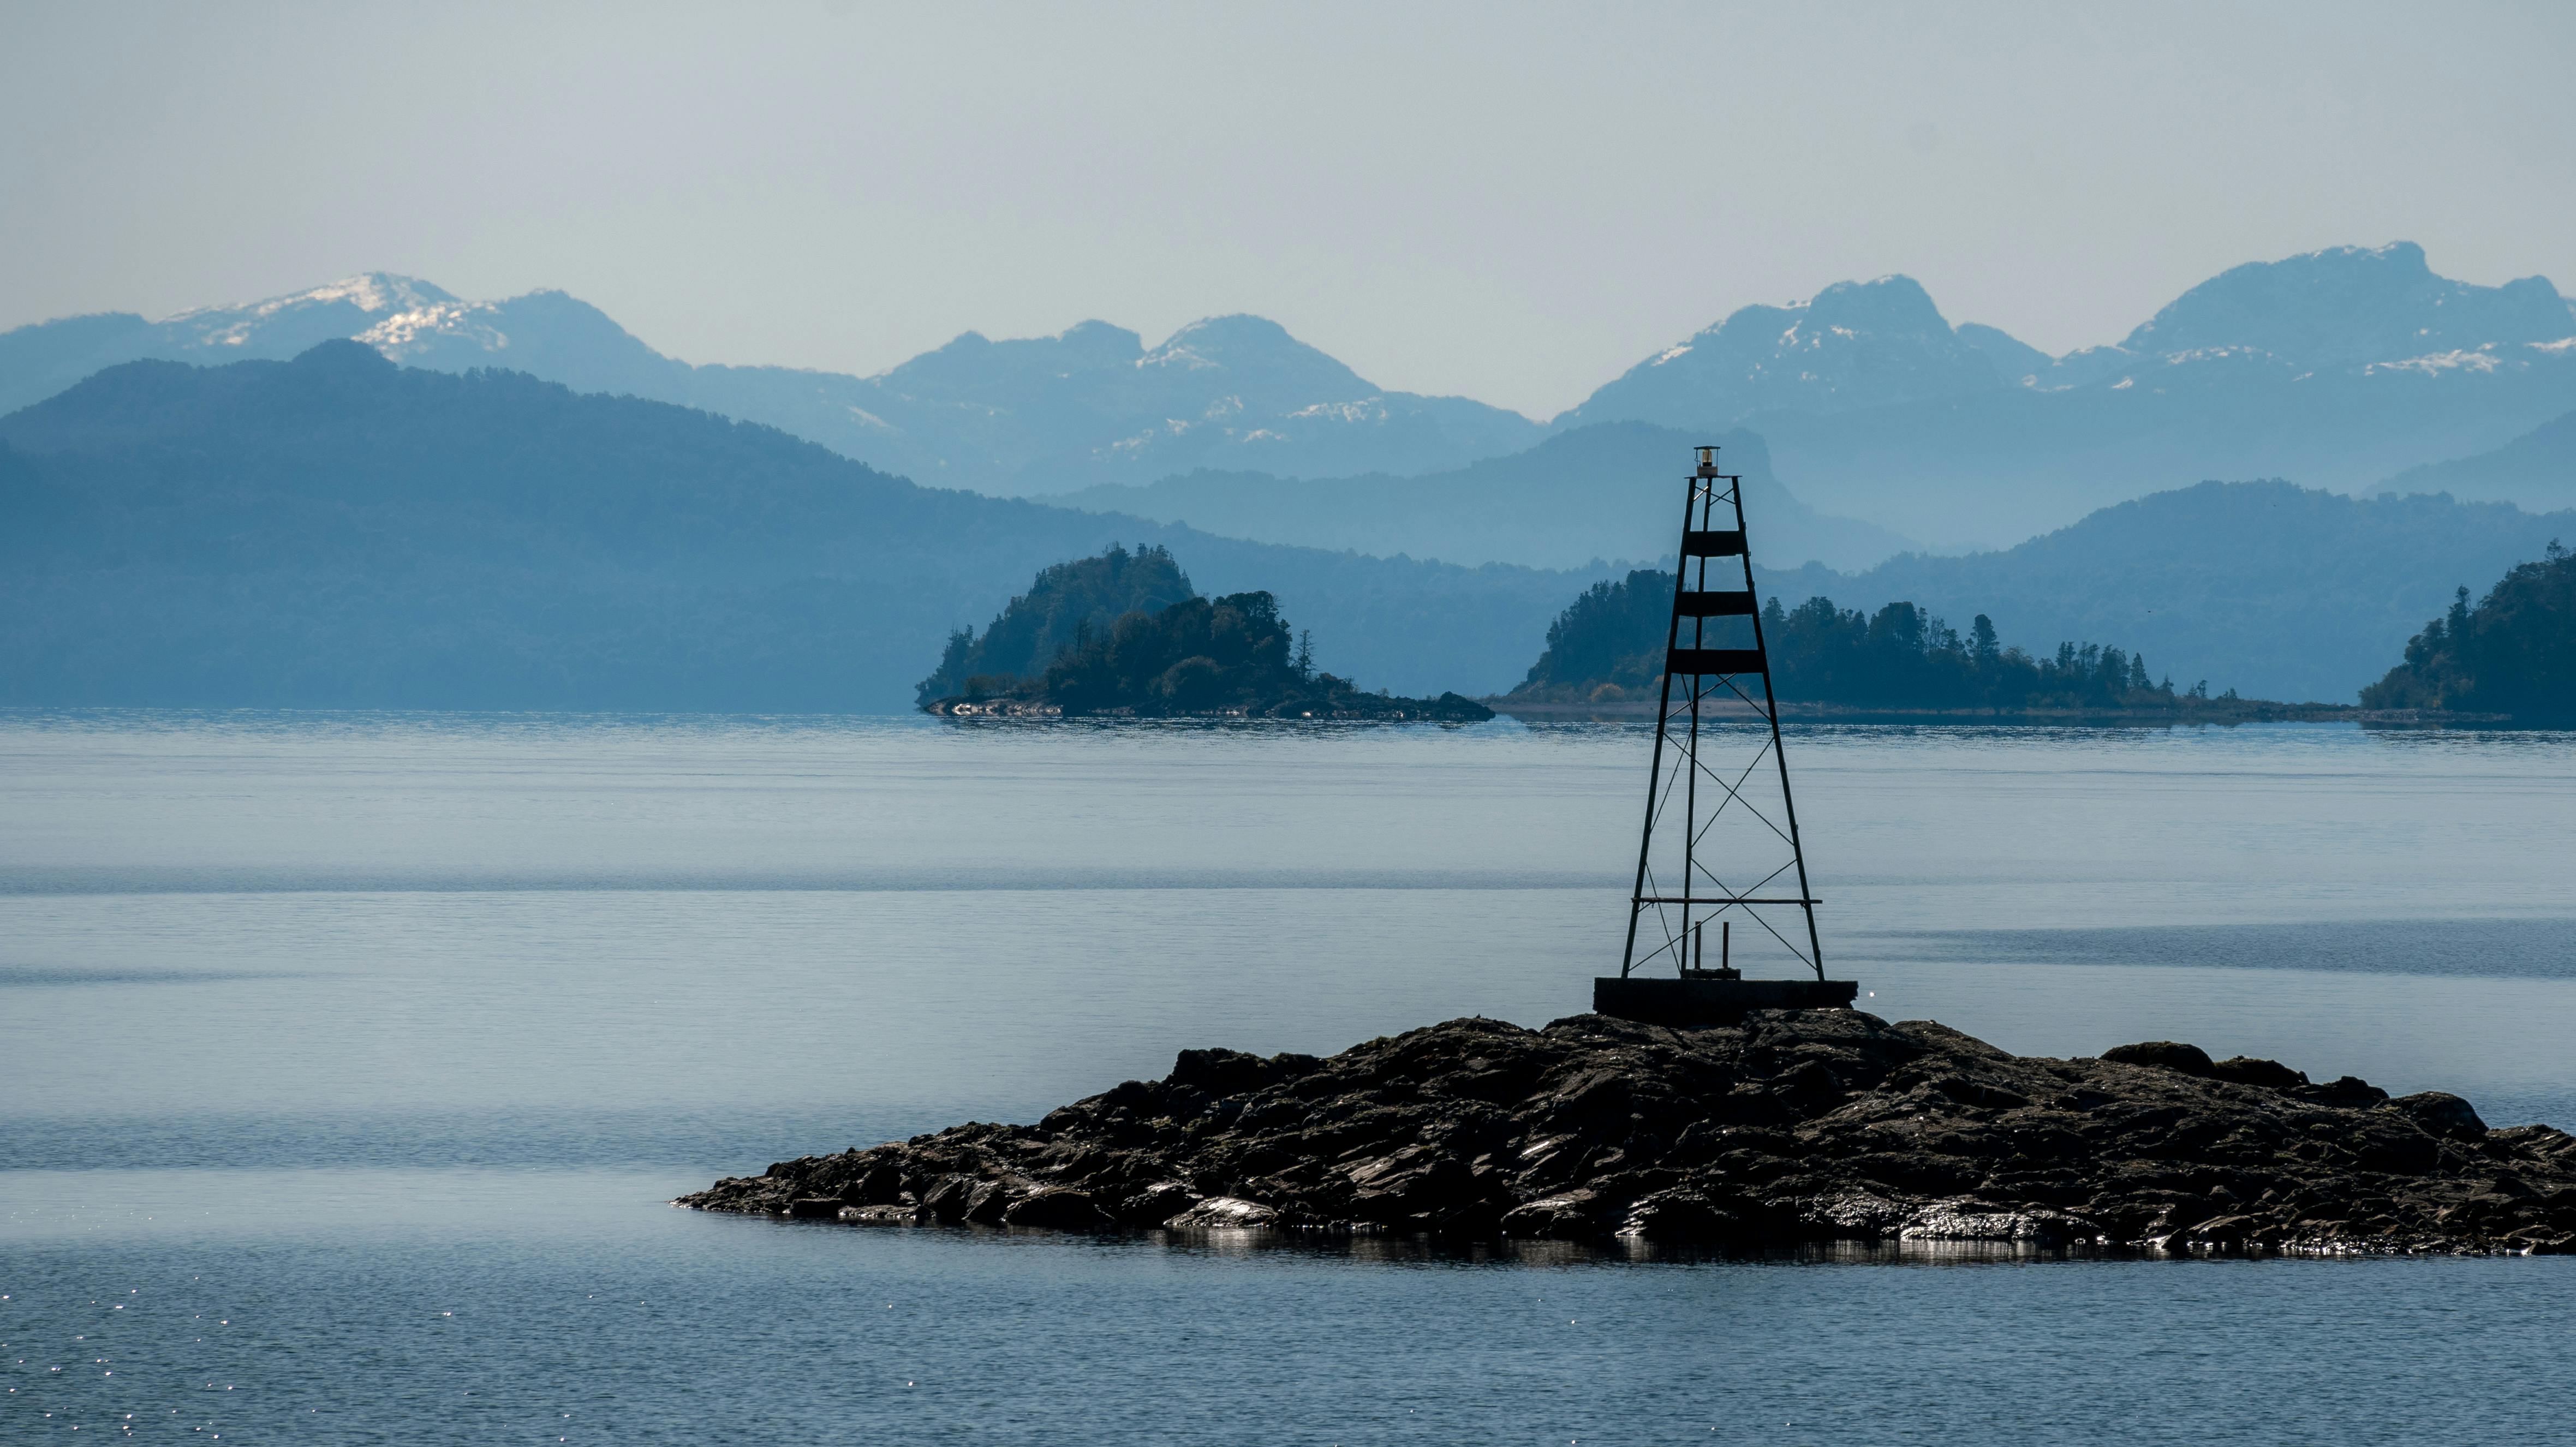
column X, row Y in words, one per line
column 1664, row 1000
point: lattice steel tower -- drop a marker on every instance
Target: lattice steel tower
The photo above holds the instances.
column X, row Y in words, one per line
column 1721, row 843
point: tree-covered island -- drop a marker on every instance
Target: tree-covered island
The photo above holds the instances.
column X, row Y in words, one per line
column 2513, row 654
column 1124, row 634
column 1608, row 648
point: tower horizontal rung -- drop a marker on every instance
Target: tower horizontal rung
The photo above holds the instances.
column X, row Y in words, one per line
column 1698, row 544
column 1716, row 660
column 1715, row 605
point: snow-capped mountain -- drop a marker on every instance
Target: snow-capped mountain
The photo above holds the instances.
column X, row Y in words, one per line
column 2338, row 368
column 1043, row 414
column 1856, row 344
column 2334, row 368
column 2347, row 307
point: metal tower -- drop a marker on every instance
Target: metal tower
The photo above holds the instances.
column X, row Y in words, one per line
column 1720, row 845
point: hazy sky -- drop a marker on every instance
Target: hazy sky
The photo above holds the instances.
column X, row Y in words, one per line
column 1511, row 202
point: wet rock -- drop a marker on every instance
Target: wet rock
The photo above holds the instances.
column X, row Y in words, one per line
column 1791, row 1125
column 1682, row 1214
column 1157, row 1203
column 1567, row 1217
column 1224, row 1212
column 879, row 1216
column 1980, row 1221
column 1059, row 1209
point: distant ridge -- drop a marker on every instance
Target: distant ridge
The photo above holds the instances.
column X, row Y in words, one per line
column 335, row 531
column 2536, row 470
column 1043, row 414
column 2283, row 592
column 2335, row 368
column 1607, row 491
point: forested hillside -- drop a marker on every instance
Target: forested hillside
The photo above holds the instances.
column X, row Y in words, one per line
column 2513, row 652
column 339, row 531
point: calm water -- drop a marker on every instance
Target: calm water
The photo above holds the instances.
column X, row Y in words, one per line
column 345, row 1064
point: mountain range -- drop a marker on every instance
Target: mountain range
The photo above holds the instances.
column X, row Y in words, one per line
column 338, row 531
column 363, row 532
column 1036, row 415
column 2338, row 368
column 2536, row 470
column 1609, row 490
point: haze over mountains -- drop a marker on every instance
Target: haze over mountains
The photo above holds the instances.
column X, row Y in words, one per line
column 2339, row 368
column 2536, row 470
column 337, row 531
column 748, row 572
column 1605, row 491
column 1037, row 415
column 2335, row 369
column 2276, row 590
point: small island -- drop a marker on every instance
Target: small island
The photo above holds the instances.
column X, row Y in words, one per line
column 1605, row 655
column 1124, row 635
column 1793, row 1126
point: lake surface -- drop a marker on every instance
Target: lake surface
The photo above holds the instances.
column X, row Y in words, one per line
column 346, row 1063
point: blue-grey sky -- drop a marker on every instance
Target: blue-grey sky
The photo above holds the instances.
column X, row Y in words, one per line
column 1509, row 201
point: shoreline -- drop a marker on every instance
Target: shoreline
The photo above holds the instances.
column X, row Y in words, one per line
column 2252, row 711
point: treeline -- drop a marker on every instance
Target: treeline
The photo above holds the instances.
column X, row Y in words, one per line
column 2513, row 653
column 1609, row 646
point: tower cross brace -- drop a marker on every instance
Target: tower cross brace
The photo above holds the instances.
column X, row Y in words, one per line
column 1693, row 774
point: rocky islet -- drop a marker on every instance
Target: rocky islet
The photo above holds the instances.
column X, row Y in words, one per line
column 1792, row 1126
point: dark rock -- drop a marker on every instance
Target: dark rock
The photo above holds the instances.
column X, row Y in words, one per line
column 2346, row 1090
column 1789, row 1125
column 1232, row 1072
column 2166, row 1055
column 2442, row 1114
column 2249, row 1070
column 946, row 1197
